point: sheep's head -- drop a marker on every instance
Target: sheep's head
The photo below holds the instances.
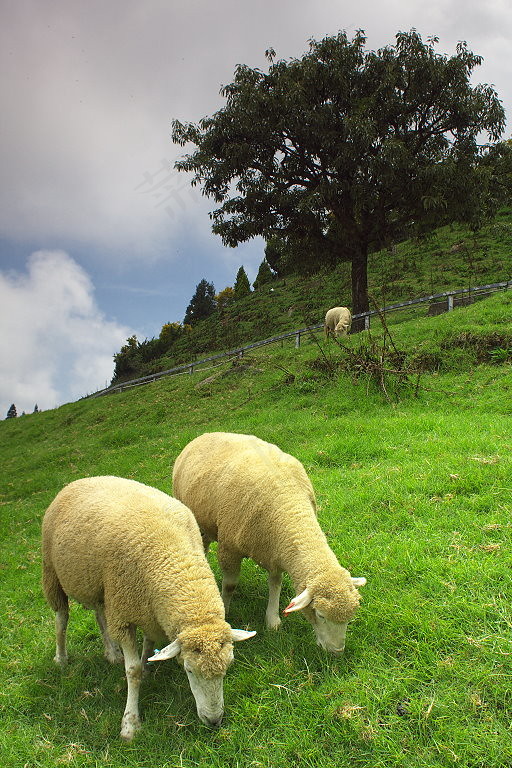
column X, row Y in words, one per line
column 205, row 652
column 329, row 606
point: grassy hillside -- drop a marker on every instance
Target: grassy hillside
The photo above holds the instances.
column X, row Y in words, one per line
column 415, row 495
column 452, row 257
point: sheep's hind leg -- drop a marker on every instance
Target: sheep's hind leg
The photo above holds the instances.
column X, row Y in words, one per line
column 61, row 624
column 230, row 562
column 275, row 579
column 113, row 652
column 58, row 600
column 130, row 723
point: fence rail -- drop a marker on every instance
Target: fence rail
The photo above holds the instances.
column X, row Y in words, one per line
column 449, row 296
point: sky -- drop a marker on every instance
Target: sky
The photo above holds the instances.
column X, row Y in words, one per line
column 100, row 238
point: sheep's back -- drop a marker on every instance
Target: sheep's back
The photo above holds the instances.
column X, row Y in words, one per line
column 335, row 315
column 241, row 489
column 103, row 531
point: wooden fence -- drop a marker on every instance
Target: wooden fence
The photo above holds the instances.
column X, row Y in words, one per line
column 439, row 302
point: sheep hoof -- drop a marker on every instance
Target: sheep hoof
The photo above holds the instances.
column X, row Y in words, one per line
column 129, row 727
column 273, row 622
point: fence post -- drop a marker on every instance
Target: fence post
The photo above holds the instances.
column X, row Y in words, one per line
column 450, row 302
column 297, row 340
column 191, row 369
column 366, row 322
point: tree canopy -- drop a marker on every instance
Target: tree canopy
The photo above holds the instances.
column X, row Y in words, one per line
column 224, row 298
column 346, row 150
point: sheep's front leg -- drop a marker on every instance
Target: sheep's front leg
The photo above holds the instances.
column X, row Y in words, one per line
column 148, row 649
column 130, row 723
column 275, row 579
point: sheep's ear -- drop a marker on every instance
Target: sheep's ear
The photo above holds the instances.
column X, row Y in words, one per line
column 299, row 602
column 358, row 581
column 169, row 652
column 240, row 634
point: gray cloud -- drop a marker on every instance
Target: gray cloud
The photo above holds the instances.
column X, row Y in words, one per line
column 89, row 91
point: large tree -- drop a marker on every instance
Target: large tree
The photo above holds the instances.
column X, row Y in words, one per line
column 346, row 150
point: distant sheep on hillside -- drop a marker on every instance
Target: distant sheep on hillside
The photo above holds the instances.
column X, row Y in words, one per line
column 338, row 321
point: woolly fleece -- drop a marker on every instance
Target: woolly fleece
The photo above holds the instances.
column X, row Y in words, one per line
column 258, row 502
column 138, row 551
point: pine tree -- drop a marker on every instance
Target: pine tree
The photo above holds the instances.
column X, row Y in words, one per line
column 242, row 285
column 11, row 413
column 36, row 409
column 202, row 303
column 265, row 275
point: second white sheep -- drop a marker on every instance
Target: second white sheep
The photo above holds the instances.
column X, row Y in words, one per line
column 258, row 502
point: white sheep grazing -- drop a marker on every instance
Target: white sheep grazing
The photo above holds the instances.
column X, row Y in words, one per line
column 135, row 555
column 338, row 321
column 258, row 502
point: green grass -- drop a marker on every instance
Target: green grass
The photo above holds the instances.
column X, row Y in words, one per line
column 414, row 495
column 451, row 257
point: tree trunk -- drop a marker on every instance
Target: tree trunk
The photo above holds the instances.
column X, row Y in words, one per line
column 359, row 284
column 354, row 248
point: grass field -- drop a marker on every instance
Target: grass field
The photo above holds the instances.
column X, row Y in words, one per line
column 415, row 494
column 451, row 257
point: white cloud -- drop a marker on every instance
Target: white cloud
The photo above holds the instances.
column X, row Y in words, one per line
column 55, row 344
